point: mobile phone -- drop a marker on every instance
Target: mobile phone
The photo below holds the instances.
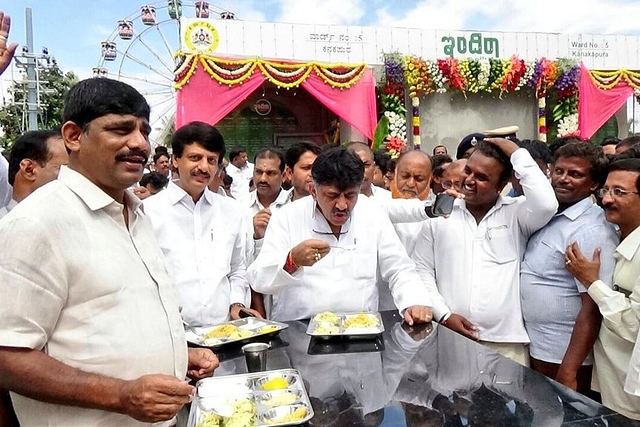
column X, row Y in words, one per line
column 442, row 206
column 244, row 314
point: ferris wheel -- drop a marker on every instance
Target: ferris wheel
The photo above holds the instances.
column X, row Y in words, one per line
column 141, row 49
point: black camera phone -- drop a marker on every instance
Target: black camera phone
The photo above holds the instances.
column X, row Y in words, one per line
column 442, row 206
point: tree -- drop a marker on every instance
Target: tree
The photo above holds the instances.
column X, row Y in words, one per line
column 53, row 85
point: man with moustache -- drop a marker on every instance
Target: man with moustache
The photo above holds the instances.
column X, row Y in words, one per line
column 268, row 197
column 617, row 300
column 299, row 158
column 323, row 253
column 471, row 260
column 90, row 330
column 162, row 164
column 412, row 181
column 200, row 232
column 413, row 176
column 560, row 317
column 35, row 160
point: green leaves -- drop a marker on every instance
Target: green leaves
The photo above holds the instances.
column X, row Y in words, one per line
column 382, row 130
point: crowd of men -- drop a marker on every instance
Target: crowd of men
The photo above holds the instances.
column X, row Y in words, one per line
column 108, row 258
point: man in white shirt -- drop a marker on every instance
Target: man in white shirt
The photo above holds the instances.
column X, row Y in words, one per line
column 560, row 317
column 162, row 164
column 34, row 161
column 201, row 233
column 619, row 304
column 363, row 151
column 471, row 260
column 268, row 197
column 324, row 252
column 412, row 179
column 241, row 171
column 90, row 332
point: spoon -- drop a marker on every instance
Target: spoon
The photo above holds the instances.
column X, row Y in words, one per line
column 192, row 329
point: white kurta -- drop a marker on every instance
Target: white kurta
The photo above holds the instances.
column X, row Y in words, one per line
column 241, row 178
column 76, row 283
column 619, row 331
column 345, row 279
column 203, row 244
column 473, row 269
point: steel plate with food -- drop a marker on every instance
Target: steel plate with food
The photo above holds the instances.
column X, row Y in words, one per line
column 271, row 398
column 356, row 325
column 234, row 332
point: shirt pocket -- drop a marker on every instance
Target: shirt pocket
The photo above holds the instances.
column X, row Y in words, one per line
column 500, row 244
column 544, row 258
column 365, row 264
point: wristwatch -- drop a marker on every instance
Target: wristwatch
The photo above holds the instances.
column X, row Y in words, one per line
column 237, row 304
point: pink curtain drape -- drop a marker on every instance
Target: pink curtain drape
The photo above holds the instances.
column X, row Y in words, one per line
column 204, row 99
column 356, row 105
column 596, row 105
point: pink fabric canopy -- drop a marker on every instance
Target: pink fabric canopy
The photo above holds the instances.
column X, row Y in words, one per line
column 597, row 105
column 204, row 99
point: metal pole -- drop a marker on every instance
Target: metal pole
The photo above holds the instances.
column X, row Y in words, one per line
column 32, row 92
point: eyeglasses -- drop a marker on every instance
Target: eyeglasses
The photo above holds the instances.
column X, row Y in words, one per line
column 450, row 184
column 614, row 192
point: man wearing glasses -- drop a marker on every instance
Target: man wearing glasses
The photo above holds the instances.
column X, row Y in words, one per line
column 323, row 253
column 560, row 317
column 619, row 304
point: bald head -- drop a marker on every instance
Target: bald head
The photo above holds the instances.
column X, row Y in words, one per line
column 365, row 154
column 413, row 175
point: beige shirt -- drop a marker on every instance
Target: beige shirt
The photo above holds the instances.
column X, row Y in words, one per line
column 76, row 283
column 619, row 331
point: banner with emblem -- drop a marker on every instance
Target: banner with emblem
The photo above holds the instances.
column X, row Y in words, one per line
column 198, row 36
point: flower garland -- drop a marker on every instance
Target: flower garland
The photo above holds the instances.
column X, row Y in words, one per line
column 609, row 79
column 554, row 82
column 391, row 131
column 234, row 72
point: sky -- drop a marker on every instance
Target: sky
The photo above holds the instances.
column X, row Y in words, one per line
column 72, row 30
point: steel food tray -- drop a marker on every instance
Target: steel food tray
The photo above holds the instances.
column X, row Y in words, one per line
column 243, row 400
column 239, row 332
column 332, row 325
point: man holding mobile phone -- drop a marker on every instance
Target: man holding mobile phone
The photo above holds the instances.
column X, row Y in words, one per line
column 475, row 253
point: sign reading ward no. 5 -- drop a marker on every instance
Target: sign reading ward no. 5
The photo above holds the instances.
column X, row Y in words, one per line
column 350, row 44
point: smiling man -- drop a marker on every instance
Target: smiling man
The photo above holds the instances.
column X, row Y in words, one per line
column 619, row 299
column 90, row 330
column 200, row 232
column 561, row 318
column 323, row 253
column 471, row 260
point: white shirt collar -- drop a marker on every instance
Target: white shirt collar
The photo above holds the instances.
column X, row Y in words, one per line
column 91, row 194
column 177, row 193
column 283, row 198
column 577, row 209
